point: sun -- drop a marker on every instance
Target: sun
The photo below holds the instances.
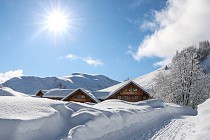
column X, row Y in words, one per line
column 57, row 22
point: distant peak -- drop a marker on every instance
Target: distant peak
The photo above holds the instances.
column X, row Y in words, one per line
column 84, row 74
column 77, row 73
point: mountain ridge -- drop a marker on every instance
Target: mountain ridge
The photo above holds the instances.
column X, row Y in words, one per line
column 31, row 84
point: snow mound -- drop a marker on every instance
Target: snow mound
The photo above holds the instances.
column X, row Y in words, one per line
column 35, row 118
column 203, row 121
column 31, row 118
column 103, row 119
column 5, row 91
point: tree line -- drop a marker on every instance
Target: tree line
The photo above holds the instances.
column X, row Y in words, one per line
column 185, row 81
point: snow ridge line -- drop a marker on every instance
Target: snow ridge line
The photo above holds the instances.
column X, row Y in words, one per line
column 104, row 126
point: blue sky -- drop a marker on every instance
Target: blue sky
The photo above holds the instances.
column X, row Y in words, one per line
column 111, row 37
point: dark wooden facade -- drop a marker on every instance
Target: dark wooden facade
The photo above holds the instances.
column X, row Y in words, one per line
column 79, row 96
column 128, row 91
column 131, row 93
column 54, row 98
column 39, row 93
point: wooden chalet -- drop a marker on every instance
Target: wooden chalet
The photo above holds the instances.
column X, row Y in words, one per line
column 81, row 95
column 77, row 95
column 129, row 91
column 39, row 93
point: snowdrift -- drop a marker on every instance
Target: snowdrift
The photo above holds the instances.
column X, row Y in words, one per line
column 31, row 118
column 100, row 121
column 5, row 91
column 203, row 121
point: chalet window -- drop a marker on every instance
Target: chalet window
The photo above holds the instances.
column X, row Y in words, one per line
column 126, row 97
column 119, row 97
column 128, row 90
column 77, row 96
column 136, row 97
column 134, row 89
column 83, row 96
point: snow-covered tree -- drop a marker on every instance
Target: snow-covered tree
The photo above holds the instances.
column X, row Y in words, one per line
column 162, row 88
column 185, row 83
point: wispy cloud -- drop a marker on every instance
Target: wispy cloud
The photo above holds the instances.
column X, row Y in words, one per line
column 130, row 50
column 72, row 56
column 148, row 25
column 91, row 61
column 10, row 74
column 88, row 60
column 180, row 24
column 135, row 4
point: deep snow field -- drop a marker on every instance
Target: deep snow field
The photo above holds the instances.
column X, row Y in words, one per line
column 35, row 118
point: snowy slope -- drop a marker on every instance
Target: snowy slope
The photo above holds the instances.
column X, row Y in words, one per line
column 5, row 91
column 33, row 118
column 31, row 84
column 203, row 121
column 147, row 80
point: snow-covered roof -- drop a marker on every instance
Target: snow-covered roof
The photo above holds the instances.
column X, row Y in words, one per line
column 88, row 93
column 113, row 89
column 100, row 94
column 57, row 92
column 95, row 95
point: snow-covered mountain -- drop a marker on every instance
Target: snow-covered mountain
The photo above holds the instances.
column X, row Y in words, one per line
column 31, row 84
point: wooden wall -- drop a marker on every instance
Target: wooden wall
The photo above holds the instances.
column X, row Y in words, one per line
column 79, row 96
column 40, row 93
column 131, row 93
column 54, row 98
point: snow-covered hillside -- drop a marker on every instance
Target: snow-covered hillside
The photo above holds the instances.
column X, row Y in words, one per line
column 35, row 118
column 147, row 80
column 5, row 91
column 31, row 84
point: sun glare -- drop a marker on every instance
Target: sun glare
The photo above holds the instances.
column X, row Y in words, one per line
column 57, row 22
